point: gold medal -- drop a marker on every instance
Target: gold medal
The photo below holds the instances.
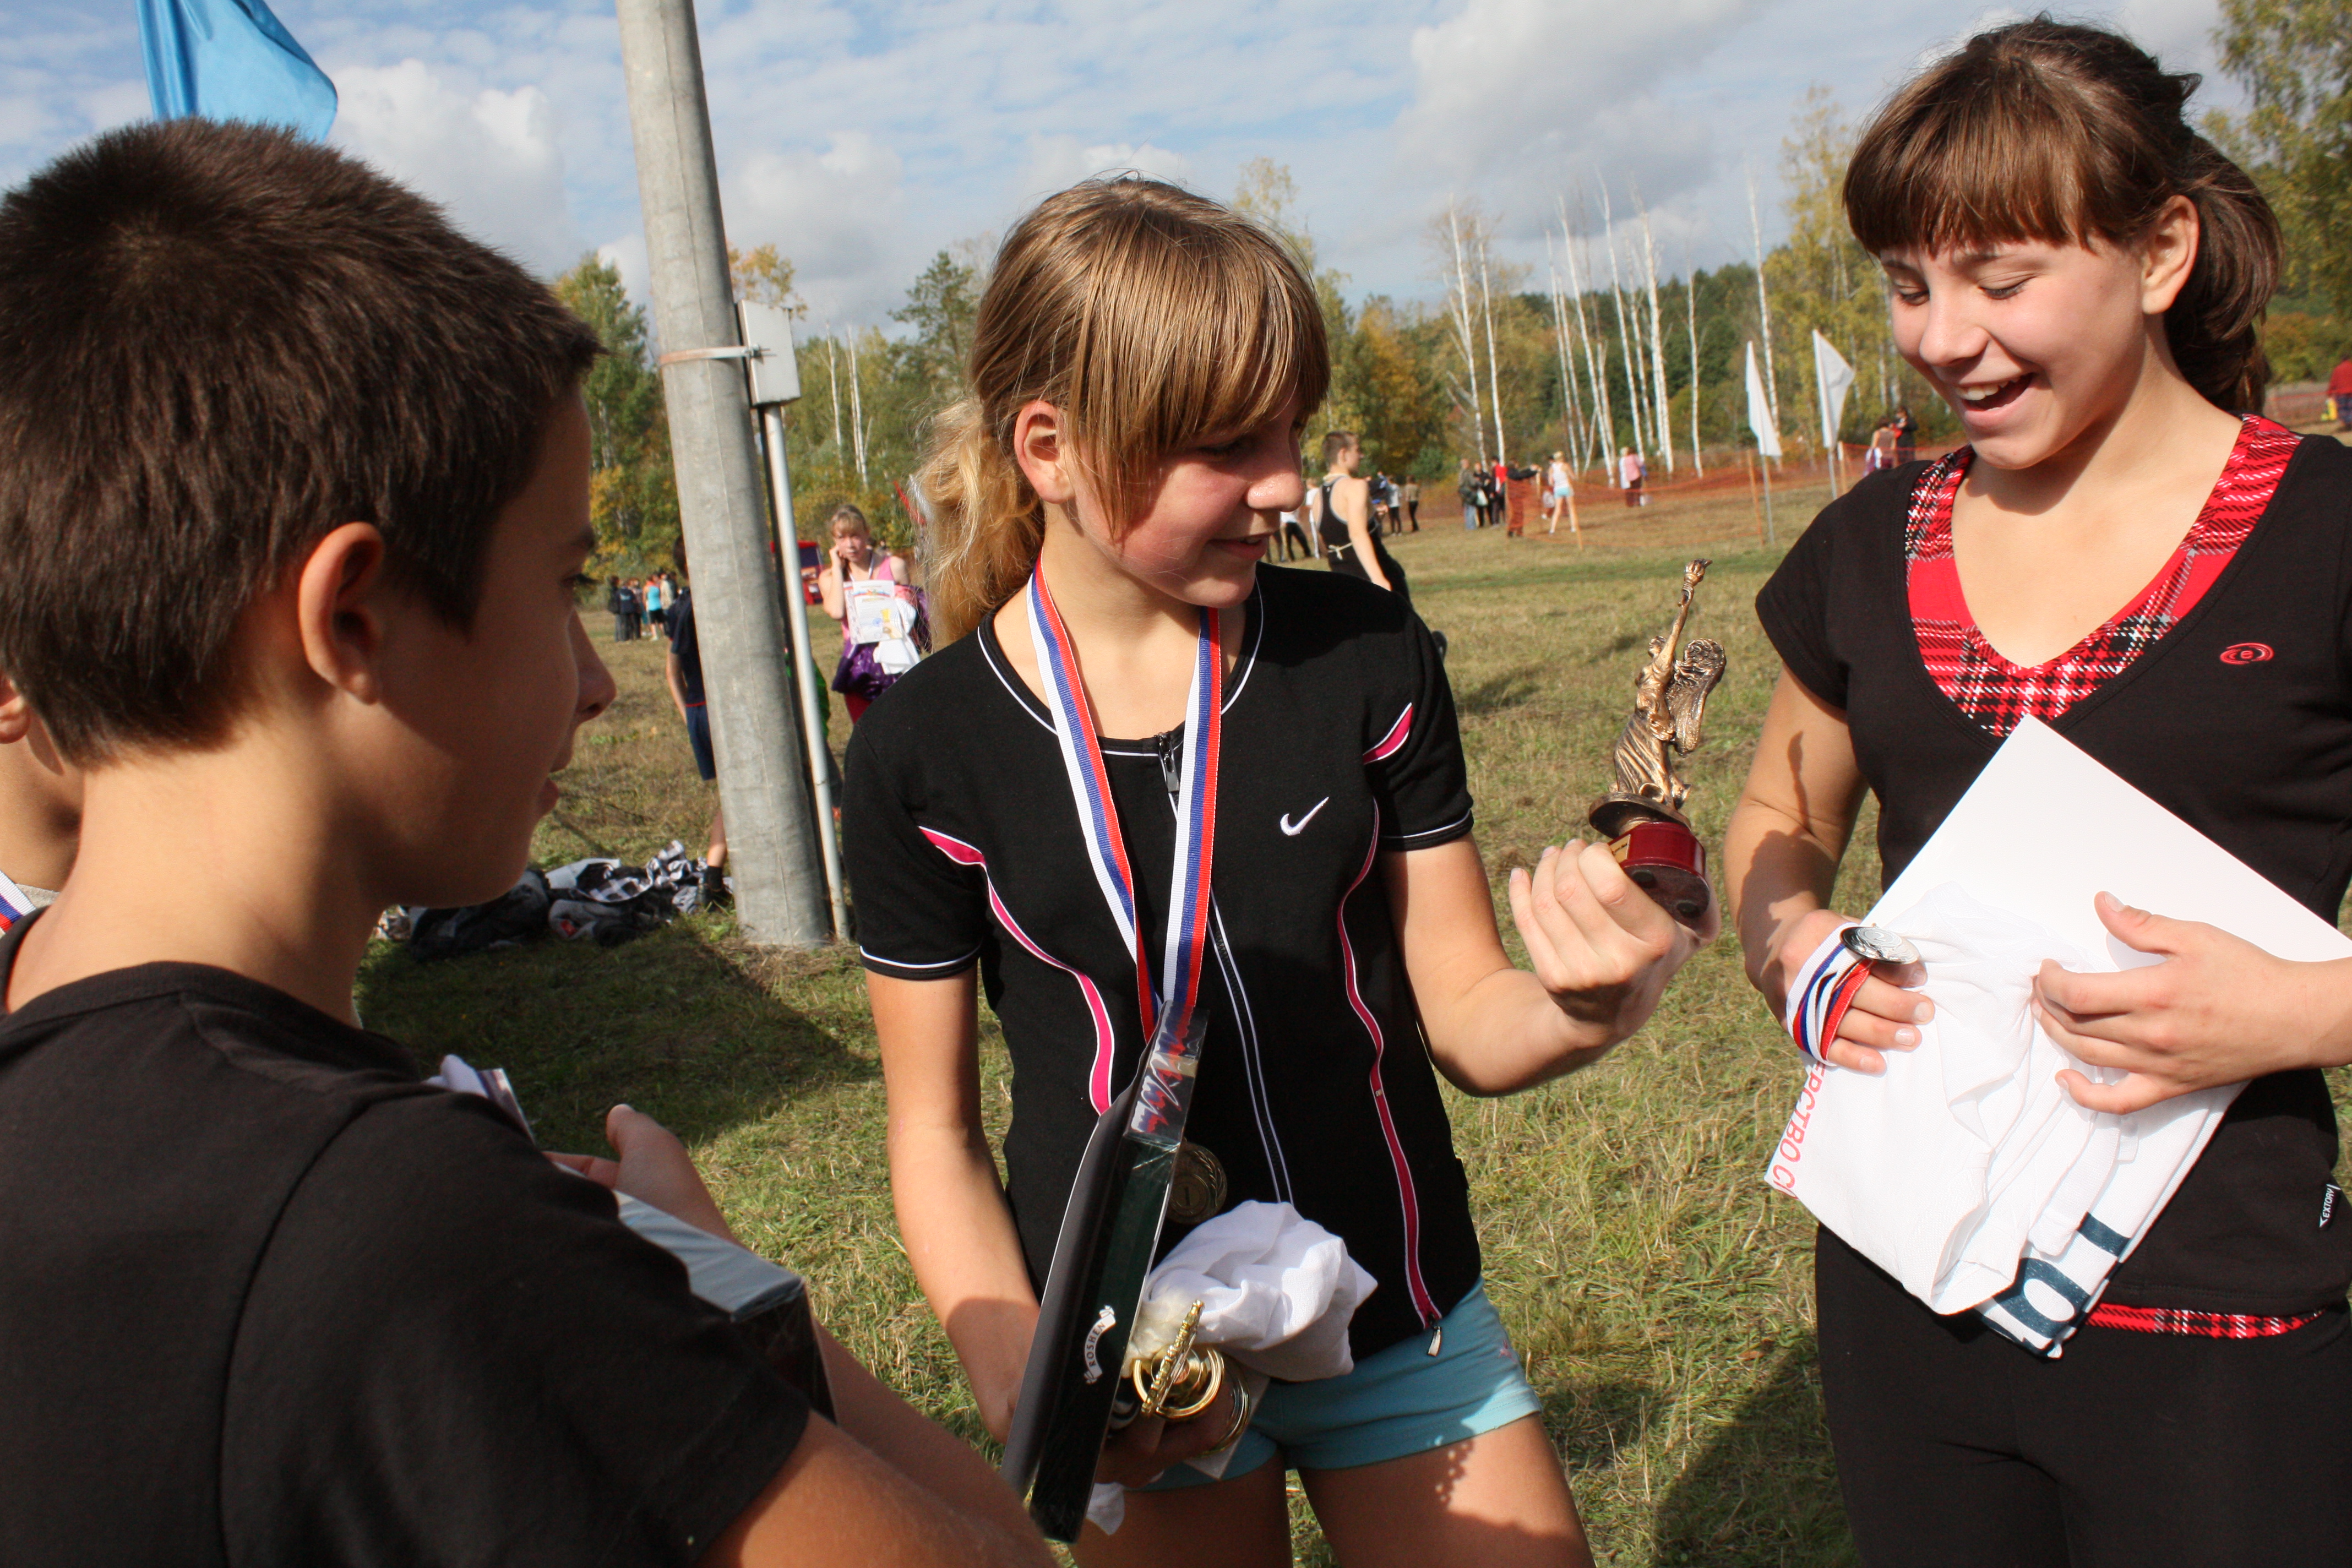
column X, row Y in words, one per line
column 1197, row 1188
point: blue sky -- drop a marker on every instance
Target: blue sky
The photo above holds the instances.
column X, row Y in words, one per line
column 861, row 138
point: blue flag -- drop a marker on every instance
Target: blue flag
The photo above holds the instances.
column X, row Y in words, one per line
column 231, row 59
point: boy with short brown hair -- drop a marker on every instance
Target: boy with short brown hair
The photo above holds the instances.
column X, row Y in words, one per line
column 293, row 489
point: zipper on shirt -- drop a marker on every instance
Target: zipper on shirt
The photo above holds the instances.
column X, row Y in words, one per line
column 1169, row 744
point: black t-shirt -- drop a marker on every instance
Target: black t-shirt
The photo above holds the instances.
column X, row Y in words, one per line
column 1315, row 1086
column 267, row 1299
column 688, row 648
column 2253, row 752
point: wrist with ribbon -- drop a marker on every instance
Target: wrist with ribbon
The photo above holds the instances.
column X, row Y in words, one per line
column 1825, row 986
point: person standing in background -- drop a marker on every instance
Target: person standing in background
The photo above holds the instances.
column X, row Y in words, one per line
column 1350, row 544
column 1907, row 435
column 1412, row 504
column 870, row 664
column 1630, row 472
column 2339, row 393
column 683, row 670
column 616, row 604
column 1559, row 497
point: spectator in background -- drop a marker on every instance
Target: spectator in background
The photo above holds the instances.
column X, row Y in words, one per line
column 860, row 586
column 1631, row 470
column 657, row 605
column 1907, row 434
column 683, row 670
column 616, row 604
column 2339, row 393
column 1350, row 544
column 1412, row 504
column 1474, row 501
column 1290, row 538
column 1560, row 496
column 1881, row 451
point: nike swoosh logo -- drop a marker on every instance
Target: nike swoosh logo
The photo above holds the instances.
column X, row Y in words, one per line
column 1295, row 828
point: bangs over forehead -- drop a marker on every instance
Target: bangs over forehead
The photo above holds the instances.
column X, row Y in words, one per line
column 1187, row 323
column 2000, row 144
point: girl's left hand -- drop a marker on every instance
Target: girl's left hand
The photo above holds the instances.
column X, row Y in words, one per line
column 2218, row 1010
column 1601, row 946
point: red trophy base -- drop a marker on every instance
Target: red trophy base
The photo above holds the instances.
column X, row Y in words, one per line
column 1660, row 853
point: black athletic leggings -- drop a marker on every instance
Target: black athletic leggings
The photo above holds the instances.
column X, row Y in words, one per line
column 1957, row 1448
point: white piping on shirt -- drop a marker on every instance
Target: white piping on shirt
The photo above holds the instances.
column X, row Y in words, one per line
column 864, row 951
column 1261, row 1105
column 1249, row 662
column 1099, row 1073
column 1422, row 1301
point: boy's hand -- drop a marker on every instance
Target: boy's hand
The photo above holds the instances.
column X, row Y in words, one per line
column 652, row 1168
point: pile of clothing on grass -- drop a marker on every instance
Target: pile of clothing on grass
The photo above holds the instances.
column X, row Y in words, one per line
column 600, row 900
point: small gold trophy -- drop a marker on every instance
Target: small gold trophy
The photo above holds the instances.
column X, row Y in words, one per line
column 1641, row 817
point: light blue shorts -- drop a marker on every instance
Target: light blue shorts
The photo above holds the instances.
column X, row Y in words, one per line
column 1399, row 1402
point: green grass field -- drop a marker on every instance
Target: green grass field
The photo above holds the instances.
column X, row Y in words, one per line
column 1660, row 1293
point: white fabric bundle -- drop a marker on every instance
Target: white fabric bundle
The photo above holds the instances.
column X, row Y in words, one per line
column 1965, row 1170
column 1277, row 1292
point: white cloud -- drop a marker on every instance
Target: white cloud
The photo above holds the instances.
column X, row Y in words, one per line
column 838, row 213
column 492, row 157
column 1508, row 90
column 627, row 257
column 1057, row 163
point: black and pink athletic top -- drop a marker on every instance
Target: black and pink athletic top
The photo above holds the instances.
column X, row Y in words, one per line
column 2224, row 692
column 1339, row 742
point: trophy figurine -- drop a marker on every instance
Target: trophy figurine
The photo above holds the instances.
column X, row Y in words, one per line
column 1641, row 817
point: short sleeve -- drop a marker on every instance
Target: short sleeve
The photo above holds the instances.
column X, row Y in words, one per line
column 453, row 1352
column 1414, row 744
column 1794, row 609
column 921, row 896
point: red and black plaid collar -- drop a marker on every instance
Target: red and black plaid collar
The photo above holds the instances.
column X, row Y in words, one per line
column 1997, row 694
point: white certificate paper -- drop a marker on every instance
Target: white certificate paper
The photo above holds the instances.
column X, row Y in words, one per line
column 2042, row 830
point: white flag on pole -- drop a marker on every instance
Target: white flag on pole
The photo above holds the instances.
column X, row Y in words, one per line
column 1835, row 379
column 1759, row 409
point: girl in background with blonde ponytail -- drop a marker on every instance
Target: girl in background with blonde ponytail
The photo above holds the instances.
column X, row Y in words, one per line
column 1118, row 666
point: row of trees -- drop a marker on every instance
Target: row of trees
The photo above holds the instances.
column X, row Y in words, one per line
column 1596, row 354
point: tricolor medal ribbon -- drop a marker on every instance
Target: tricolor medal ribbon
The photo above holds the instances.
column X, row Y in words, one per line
column 1825, row 987
column 1179, row 982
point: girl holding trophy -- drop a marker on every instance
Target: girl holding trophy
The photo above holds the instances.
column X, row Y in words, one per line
column 2125, row 552
column 1142, row 772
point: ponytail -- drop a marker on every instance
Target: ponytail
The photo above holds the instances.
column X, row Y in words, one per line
column 2215, row 323
column 986, row 523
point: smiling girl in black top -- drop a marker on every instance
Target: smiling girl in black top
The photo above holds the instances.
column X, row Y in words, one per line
column 2079, row 274
column 1142, row 364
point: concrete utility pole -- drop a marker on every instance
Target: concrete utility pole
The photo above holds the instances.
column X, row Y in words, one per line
column 779, row 890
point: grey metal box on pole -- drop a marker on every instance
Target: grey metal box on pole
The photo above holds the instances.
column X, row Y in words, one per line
column 780, row 889
column 775, row 377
